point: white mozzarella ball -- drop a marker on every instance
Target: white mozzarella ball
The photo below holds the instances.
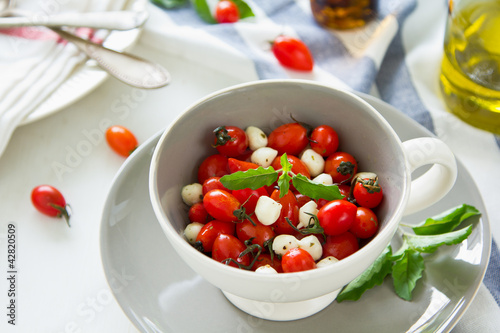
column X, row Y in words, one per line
column 283, row 243
column 192, row 230
column 314, row 162
column 267, row 210
column 267, row 269
column 192, row 193
column 256, row 137
column 312, row 245
column 326, row 261
column 323, row 178
column 310, row 207
column 264, row 156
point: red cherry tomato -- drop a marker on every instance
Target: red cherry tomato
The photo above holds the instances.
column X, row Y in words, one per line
column 289, row 209
column 297, row 260
column 226, row 12
column 121, row 140
column 345, row 190
column 265, row 259
column 289, row 138
column 212, row 166
column 229, row 247
column 249, row 197
column 340, row 246
column 292, row 53
column 230, row 141
column 49, row 201
column 259, row 233
column 212, row 183
column 301, row 198
column 337, row 216
column 198, row 213
column 221, row 205
column 297, row 165
column 237, row 165
column 324, row 140
column 366, row 223
column 210, row 231
column 367, row 193
column 341, row 166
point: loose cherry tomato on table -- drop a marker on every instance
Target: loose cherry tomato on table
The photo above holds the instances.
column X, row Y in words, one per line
column 212, row 166
column 292, row 53
column 226, row 12
column 341, row 166
column 297, row 260
column 210, row 231
column 340, row 246
column 229, row 247
column 121, row 140
column 259, row 233
column 221, row 205
column 49, row 201
column 324, row 140
column 337, row 216
column 288, row 138
column 230, row 141
column 366, row 223
column 367, row 192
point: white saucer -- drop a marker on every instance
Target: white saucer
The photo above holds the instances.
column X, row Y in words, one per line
column 159, row 293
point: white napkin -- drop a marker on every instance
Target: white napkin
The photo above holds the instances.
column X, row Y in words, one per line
column 34, row 61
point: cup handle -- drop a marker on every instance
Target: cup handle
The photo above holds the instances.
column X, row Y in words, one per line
column 436, row 182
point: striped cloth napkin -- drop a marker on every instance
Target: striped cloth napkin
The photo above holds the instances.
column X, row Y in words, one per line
column 395, row 58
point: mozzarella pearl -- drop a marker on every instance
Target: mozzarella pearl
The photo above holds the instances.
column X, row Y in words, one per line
column 323, row 178
column 326, row 261
column 267, row 210
column 314, row 162
column 264, row 156
column 310, row 207
column 192, row 194
column 256, row 137
column 312, row 245
column 283, row 243
column 192, row 230
column 267, row 269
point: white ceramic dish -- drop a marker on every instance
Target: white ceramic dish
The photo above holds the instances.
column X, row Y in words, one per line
column 89, row 76
column 159, row 293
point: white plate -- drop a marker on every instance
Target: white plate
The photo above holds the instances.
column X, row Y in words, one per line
column 88, row 76
column 159, row 293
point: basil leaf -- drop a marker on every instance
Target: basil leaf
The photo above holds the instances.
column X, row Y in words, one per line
column 315, row 190
column 203, row 10
column 372, row 276
column 169, row 4
column 446, row 221
column 284, row 179
column 429, row 244
column 244, row 9
column 406, row 272
column 252, row 178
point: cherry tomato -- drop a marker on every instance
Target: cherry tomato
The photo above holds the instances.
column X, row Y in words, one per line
column 210, row 231
column 121, row 140
column 49, row 201
column 341, row 166
column 212, row 166
column 198, row 213
column 237, row 165
column 212, row 183
column 228, row 246
column 366, row 223
column 297, row 260
column 297, row 165
column 288, row 138
column 337, row 216
column 292, row 53
column 301, row 198
column 340, row 246
column 367, row 192
column 324, row 140
column 289, row 209
column 265, row 259
column 230, row 141
column 226, row 12
column 249, row 197
column 221, row 205
column 345, row 190
column 259, row 233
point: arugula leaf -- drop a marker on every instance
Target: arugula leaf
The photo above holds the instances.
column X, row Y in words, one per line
column 430, row 243
column 315, row 190
column 374, row 275
column 252, row 178
column 446, row 221
column 406, row 272
column 203, row 10
column 284, row 179
column 244, row 9
column 169, row 4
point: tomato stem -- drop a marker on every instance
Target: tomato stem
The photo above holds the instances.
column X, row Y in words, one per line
column 222, row 136
column 64, row 212
column 314, row 228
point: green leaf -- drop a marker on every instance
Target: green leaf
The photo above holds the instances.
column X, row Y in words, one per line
column 203, row 10
column 284, row 179
column 406, row 272
column 446, row 221
column 315, row 190
column 374, row 275
column 429, row 244
column 169, row 4
column 244, row 9
column 252, row 178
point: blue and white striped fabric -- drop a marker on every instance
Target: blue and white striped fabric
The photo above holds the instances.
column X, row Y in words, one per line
column 395, row 58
